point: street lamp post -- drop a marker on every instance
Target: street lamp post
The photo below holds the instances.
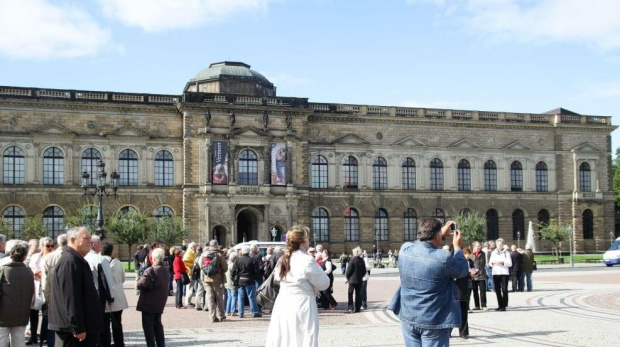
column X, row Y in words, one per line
column 518, row 239
column 99, row 190
column 570, row 248
column 274, row 232
column 611, row 238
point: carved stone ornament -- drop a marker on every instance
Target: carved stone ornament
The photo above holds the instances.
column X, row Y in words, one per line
column 13, row 121
column 91, row 125
column 277, row 211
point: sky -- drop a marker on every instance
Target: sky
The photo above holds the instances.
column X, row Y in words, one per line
column 526, row 56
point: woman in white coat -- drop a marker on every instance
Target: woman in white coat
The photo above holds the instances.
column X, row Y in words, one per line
column 295, row 317
column 113, row 313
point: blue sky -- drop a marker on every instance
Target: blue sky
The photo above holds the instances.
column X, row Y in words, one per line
column 495, row 55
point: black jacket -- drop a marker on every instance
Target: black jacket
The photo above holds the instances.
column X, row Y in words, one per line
column 245, row 271
column 74, row 302
column 356, row 270
column 517, row 262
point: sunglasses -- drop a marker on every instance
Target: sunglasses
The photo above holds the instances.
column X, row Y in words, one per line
column 49, row 246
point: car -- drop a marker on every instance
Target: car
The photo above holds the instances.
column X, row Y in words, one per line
column 612, row 256
column 262, row 246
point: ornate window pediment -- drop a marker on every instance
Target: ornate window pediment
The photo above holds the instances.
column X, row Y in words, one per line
column 409, row 141
column 250, row 131
column 129, row 131
column 351, row 139
column 53, row 129
column 465, row 144
column 517, row 146
column 586, row 147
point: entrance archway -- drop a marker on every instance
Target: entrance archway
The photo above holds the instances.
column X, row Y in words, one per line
column 280, row 234
column 247, row 226
column 219, row 233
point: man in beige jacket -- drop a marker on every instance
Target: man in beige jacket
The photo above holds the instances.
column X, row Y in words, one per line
column 214, row 283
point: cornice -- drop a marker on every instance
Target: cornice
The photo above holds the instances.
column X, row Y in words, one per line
column 87, row 106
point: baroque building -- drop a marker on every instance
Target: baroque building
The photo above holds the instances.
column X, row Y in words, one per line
column 236, row 161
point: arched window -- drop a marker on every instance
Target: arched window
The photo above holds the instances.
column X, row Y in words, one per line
column 164, row 169
column 320, row 224
column 319, row 172
column 351, row 225
column 90, row 158
column 162, row 212
column 492, row 225
column 490, row 176
column 518, row 223
column 379, row 173
column 127, row 209
column 543, row 219
column 410, row 225
column 588, row 225
column 349, row 172
column 381, row 225
column 128, row 168
column 516, row 177
column 541, row 177
column 54, row 221
column 14, row 217
column 248, row 168
column 14, row 166
column 436, row 174
column 464, row 175
column 408, row 173
column 53, row 166
column 585, row 181
column 439, row 214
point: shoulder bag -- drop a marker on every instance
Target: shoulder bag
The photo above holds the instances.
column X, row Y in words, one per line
column 267, row 293
column 185, row 278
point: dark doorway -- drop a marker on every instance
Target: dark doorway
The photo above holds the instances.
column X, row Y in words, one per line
column 280, row 233
column 246, row 226
column 219, row 233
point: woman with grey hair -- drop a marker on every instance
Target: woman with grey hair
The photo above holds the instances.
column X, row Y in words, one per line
column 46, row 245
column 356, row 270
column 153, row 286
column 17, row 289
column 231, row 288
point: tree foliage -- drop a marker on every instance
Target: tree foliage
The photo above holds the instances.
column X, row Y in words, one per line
column 6, row 229
column 472, row 225
column 34, row 228
column 84, row 216
column 555, row 233
column 169, row 230
column 130, row 228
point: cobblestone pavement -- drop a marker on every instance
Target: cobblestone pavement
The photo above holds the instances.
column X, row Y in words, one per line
column 569, row 307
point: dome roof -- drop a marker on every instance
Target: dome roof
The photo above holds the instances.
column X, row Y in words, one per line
column 230, row 69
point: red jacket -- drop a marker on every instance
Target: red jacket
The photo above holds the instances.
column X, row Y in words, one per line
column 178, row 267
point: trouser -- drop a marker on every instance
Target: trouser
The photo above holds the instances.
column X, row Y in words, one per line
column 153, row 329
column 528, row 278
column 364, row 294
column 178, row 302
column 329, row 298
column 249, row 291
column 500, row 283
column 191, row 291
column 14, row 334
column 520, row 280
column 66, row 339
column 51, row 338
column 464, row 327
column 231, row 301
column 200, row 295
column 517, row 282
column 215, row 300
column 489, row 278
column 170, row 281
column 115, row 318
column 357, row 287
column 418, row 337
column 480, row 299
column 34, row 323
column 43, row 335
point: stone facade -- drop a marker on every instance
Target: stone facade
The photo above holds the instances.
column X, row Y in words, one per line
column 188, row 125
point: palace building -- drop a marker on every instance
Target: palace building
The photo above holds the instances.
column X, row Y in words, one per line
column 237, row 162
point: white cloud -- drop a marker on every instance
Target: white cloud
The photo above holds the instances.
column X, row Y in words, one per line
column 158, row 15
column 593, row 22
column 40, row 29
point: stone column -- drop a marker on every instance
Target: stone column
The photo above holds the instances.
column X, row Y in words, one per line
column 233, row 164
column 233, row 224
column 208, row 159
column 267, row 164
column 289, row 162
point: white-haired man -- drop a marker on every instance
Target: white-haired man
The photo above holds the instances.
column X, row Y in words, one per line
column 212, row 282
column 245, row 273
column 49, row 263
column 501, row 263
column 75, row 313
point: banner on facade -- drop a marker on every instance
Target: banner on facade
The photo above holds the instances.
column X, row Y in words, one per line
column 219, row 162
column 278, row 164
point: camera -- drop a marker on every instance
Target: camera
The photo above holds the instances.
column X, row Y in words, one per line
column 453, row 227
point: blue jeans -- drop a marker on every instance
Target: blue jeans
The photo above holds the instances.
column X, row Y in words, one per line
column 231, row 300
column 417, row 337
column 364, row 295
column 528, row 278
column 489, row 279
column 250, row 291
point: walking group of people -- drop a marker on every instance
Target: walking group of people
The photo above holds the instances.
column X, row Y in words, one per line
column 77, row 289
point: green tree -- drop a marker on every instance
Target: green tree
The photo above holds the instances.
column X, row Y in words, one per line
column 34, row 228
column 169, row 230
column 555, row 233
column 130, row 228
column 6, row 228
column 84, row 216
column 472, row 225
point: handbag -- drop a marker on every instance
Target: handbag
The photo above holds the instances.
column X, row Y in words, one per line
column 535, row 267
column 185, row 278
column 267, row 293
column 37, row 300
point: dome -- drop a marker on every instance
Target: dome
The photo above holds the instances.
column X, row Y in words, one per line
column 230, row 69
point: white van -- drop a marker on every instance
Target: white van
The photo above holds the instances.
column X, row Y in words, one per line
column 262, row 246
column 612, row 256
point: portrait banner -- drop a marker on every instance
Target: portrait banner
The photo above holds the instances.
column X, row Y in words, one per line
column 219, row 162
column 278, row 164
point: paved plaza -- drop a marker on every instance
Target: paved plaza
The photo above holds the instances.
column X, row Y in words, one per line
column 569, row 307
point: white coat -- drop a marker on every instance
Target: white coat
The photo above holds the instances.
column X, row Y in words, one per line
column 118, row 278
